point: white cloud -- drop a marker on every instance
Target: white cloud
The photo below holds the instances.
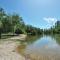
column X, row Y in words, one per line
column 50, row 20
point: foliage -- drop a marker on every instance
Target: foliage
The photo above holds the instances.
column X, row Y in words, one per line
column 53, row 30
column 33, row 30
column 15, row 24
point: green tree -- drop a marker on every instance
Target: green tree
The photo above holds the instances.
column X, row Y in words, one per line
column 1, row 25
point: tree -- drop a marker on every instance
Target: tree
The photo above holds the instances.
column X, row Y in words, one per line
column 0, row 28
column 16, row 19
column 6, row 24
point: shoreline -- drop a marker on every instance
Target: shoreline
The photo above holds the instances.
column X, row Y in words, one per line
column 8, row 49
column 17, row 37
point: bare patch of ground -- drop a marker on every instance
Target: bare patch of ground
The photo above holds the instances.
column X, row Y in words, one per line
column 7, row 49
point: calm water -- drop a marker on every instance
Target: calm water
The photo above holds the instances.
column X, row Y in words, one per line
column 47, row 47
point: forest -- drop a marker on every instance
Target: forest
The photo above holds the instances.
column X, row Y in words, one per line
column 14, row 24
column 53, row 30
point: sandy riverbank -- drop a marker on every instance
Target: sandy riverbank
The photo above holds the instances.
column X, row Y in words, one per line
column 19, row 37
column 7, row 49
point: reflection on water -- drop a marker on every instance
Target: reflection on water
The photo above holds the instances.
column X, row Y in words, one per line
column 57, row 38
column 44, row 48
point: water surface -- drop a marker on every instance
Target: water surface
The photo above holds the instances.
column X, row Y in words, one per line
column 47, row 47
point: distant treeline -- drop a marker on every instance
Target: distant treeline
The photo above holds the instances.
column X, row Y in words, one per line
column 13, row 23
column 53, row 30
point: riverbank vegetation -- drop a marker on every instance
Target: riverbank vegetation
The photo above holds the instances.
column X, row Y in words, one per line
column 13, row 24
column 53, row 30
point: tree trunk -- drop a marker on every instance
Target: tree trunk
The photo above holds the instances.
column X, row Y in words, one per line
column 0, row 33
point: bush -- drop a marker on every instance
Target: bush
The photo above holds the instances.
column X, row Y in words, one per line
column 18, row 31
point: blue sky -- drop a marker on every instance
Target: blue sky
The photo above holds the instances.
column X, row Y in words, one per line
column 39, row 13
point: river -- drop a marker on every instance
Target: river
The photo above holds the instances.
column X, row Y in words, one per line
column 46, row 47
